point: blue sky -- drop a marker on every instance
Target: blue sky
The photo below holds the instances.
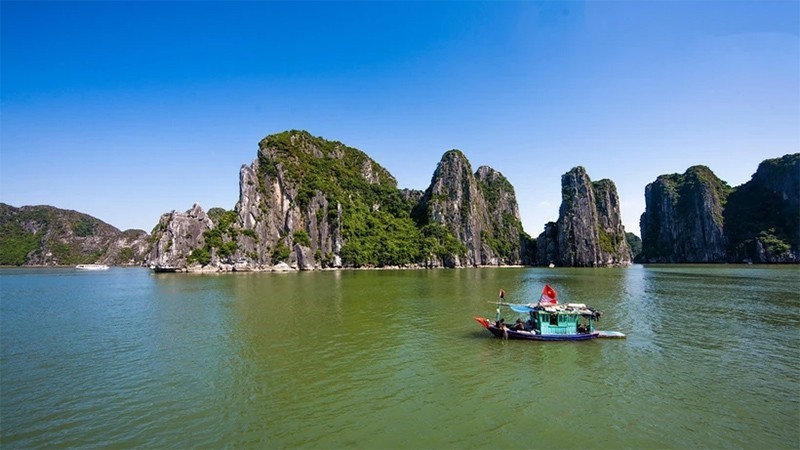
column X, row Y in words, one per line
column 127, row 110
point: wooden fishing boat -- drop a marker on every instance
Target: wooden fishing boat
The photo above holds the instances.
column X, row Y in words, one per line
column 548, row 321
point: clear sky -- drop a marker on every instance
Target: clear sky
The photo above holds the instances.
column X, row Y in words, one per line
column 127, row 110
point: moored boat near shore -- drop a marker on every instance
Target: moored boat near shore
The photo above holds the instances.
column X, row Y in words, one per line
column 91, row 267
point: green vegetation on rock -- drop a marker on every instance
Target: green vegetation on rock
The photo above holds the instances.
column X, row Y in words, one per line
column 439, row 242
column 281, row 252
column 605, row 240
column 16, row 244
column 221, row 238
column 200, row 256
column 83, row 227
column 302, row 238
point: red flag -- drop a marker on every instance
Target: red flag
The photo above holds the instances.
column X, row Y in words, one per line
column 502, row 293
column 548, row 296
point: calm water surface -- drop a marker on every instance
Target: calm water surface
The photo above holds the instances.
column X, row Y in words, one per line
column 377, row 359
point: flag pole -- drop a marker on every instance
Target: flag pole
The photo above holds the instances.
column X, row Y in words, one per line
column 499, row 299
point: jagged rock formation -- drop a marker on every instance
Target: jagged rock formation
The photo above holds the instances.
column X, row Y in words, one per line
column 696, row 217
column 762, row 216
column 453, row 200
column 308, row 203
column 315, row 203
column 507, row 241
column 44, row 235
column 479, row 209
column 683, row 219
column 547, row 245
column 412, row 197
column 589, row 230
column 176, row 236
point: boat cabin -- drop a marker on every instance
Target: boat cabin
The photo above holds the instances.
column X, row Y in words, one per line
column 569, row 319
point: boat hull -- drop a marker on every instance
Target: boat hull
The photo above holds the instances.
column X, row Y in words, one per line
column 91, row 267
column 529, row 336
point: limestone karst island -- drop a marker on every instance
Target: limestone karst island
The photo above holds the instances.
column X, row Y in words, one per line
column 307, row 203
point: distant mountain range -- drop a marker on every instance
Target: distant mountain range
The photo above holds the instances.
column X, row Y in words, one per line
column 308, row 203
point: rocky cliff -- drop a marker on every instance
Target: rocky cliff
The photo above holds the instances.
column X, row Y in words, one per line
column 480, row 209
column 44, row 235
column 453, row 201
column 589, row 229
column 696, row 217
column 177, row 237
column 313, row 203
column 762, row 216
column 683, row 219
column 507, row 242
column 289, row 210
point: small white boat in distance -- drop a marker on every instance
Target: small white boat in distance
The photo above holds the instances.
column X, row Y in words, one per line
column 91, row 267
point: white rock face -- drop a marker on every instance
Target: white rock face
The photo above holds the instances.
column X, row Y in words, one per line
column 177, row 235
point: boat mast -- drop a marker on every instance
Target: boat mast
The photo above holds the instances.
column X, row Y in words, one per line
column 499, row 301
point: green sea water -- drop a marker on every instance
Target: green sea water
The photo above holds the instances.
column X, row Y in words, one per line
column 394, row 359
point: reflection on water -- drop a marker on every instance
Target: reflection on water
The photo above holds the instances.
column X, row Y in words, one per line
column 380, row 359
